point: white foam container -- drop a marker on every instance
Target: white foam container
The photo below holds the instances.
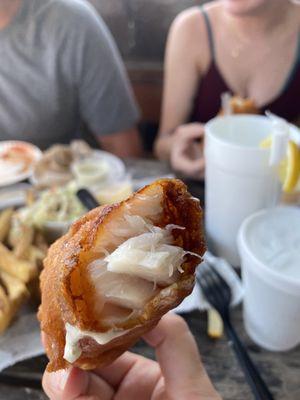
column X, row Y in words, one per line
column 238, row 178
column 271, row 299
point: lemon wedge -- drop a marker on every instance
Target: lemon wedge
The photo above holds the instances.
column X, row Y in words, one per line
column 266, row 143
column 289, row 167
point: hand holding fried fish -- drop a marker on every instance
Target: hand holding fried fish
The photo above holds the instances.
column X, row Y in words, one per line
column 117, row 271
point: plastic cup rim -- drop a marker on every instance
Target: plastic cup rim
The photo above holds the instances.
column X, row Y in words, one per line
column 243, row 246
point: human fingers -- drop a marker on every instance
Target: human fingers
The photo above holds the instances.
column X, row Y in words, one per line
column 179, row 359
column 190, row 132
column 132, row 376
column 182, row 161
column 75, row 384
column 140, row 381
column 186, row 155
column 115, row 372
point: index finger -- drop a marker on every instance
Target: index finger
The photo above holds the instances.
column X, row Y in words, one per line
column 179, row 359
column 115, row 372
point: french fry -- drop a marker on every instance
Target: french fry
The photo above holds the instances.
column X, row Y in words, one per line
column 35, row 254
column 5, row 222
column 24, row 242
column 14, row 232
column 215, row 324
column 5, row 311
column 21, row 269
column 16, row 289
column 12, row 294
column 30, row 197
column 40, row 242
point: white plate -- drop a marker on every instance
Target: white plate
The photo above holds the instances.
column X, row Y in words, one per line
column 13, row 172
column 14, row 196
column 116, row 168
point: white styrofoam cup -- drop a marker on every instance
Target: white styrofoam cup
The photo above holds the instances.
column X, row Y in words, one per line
column 271, row 298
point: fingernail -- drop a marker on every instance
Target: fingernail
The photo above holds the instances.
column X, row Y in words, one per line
column 59, row 379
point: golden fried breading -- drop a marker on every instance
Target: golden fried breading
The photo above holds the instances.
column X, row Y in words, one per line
column 80, row 288
column 239, row 105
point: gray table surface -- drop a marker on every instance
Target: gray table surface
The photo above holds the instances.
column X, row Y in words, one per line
column 280, row 370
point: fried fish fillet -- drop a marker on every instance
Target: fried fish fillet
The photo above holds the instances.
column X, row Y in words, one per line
column 117, row 271
column 239, row 105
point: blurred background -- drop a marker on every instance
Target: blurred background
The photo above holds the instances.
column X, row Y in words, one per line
column 140, row 30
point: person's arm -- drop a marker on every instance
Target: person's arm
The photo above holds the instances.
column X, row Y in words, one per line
column 187, row 56
column 123, row 144
column 105, row 98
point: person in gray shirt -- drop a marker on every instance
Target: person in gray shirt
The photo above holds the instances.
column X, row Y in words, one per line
column 59, row 68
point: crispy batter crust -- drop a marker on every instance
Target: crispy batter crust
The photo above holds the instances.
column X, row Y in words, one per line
column 239, row 105
column 69, row 296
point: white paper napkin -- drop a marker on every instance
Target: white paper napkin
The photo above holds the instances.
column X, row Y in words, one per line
column 196, row 299
column 21, row 341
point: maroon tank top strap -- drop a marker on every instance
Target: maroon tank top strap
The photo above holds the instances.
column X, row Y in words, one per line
column 207, row 102
column 209, row 32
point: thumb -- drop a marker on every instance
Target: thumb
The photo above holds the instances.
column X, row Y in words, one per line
column 73, row 383
column 179, row 359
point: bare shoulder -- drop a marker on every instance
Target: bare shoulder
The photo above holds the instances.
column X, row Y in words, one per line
column 189, row 22
column 189, row 28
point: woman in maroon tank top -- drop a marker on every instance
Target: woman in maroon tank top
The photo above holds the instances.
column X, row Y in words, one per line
column 246, row 47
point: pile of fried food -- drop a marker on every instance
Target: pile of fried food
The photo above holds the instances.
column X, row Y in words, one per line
column 22, row 249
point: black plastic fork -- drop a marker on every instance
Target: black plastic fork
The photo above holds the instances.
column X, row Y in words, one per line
column 218, row 294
